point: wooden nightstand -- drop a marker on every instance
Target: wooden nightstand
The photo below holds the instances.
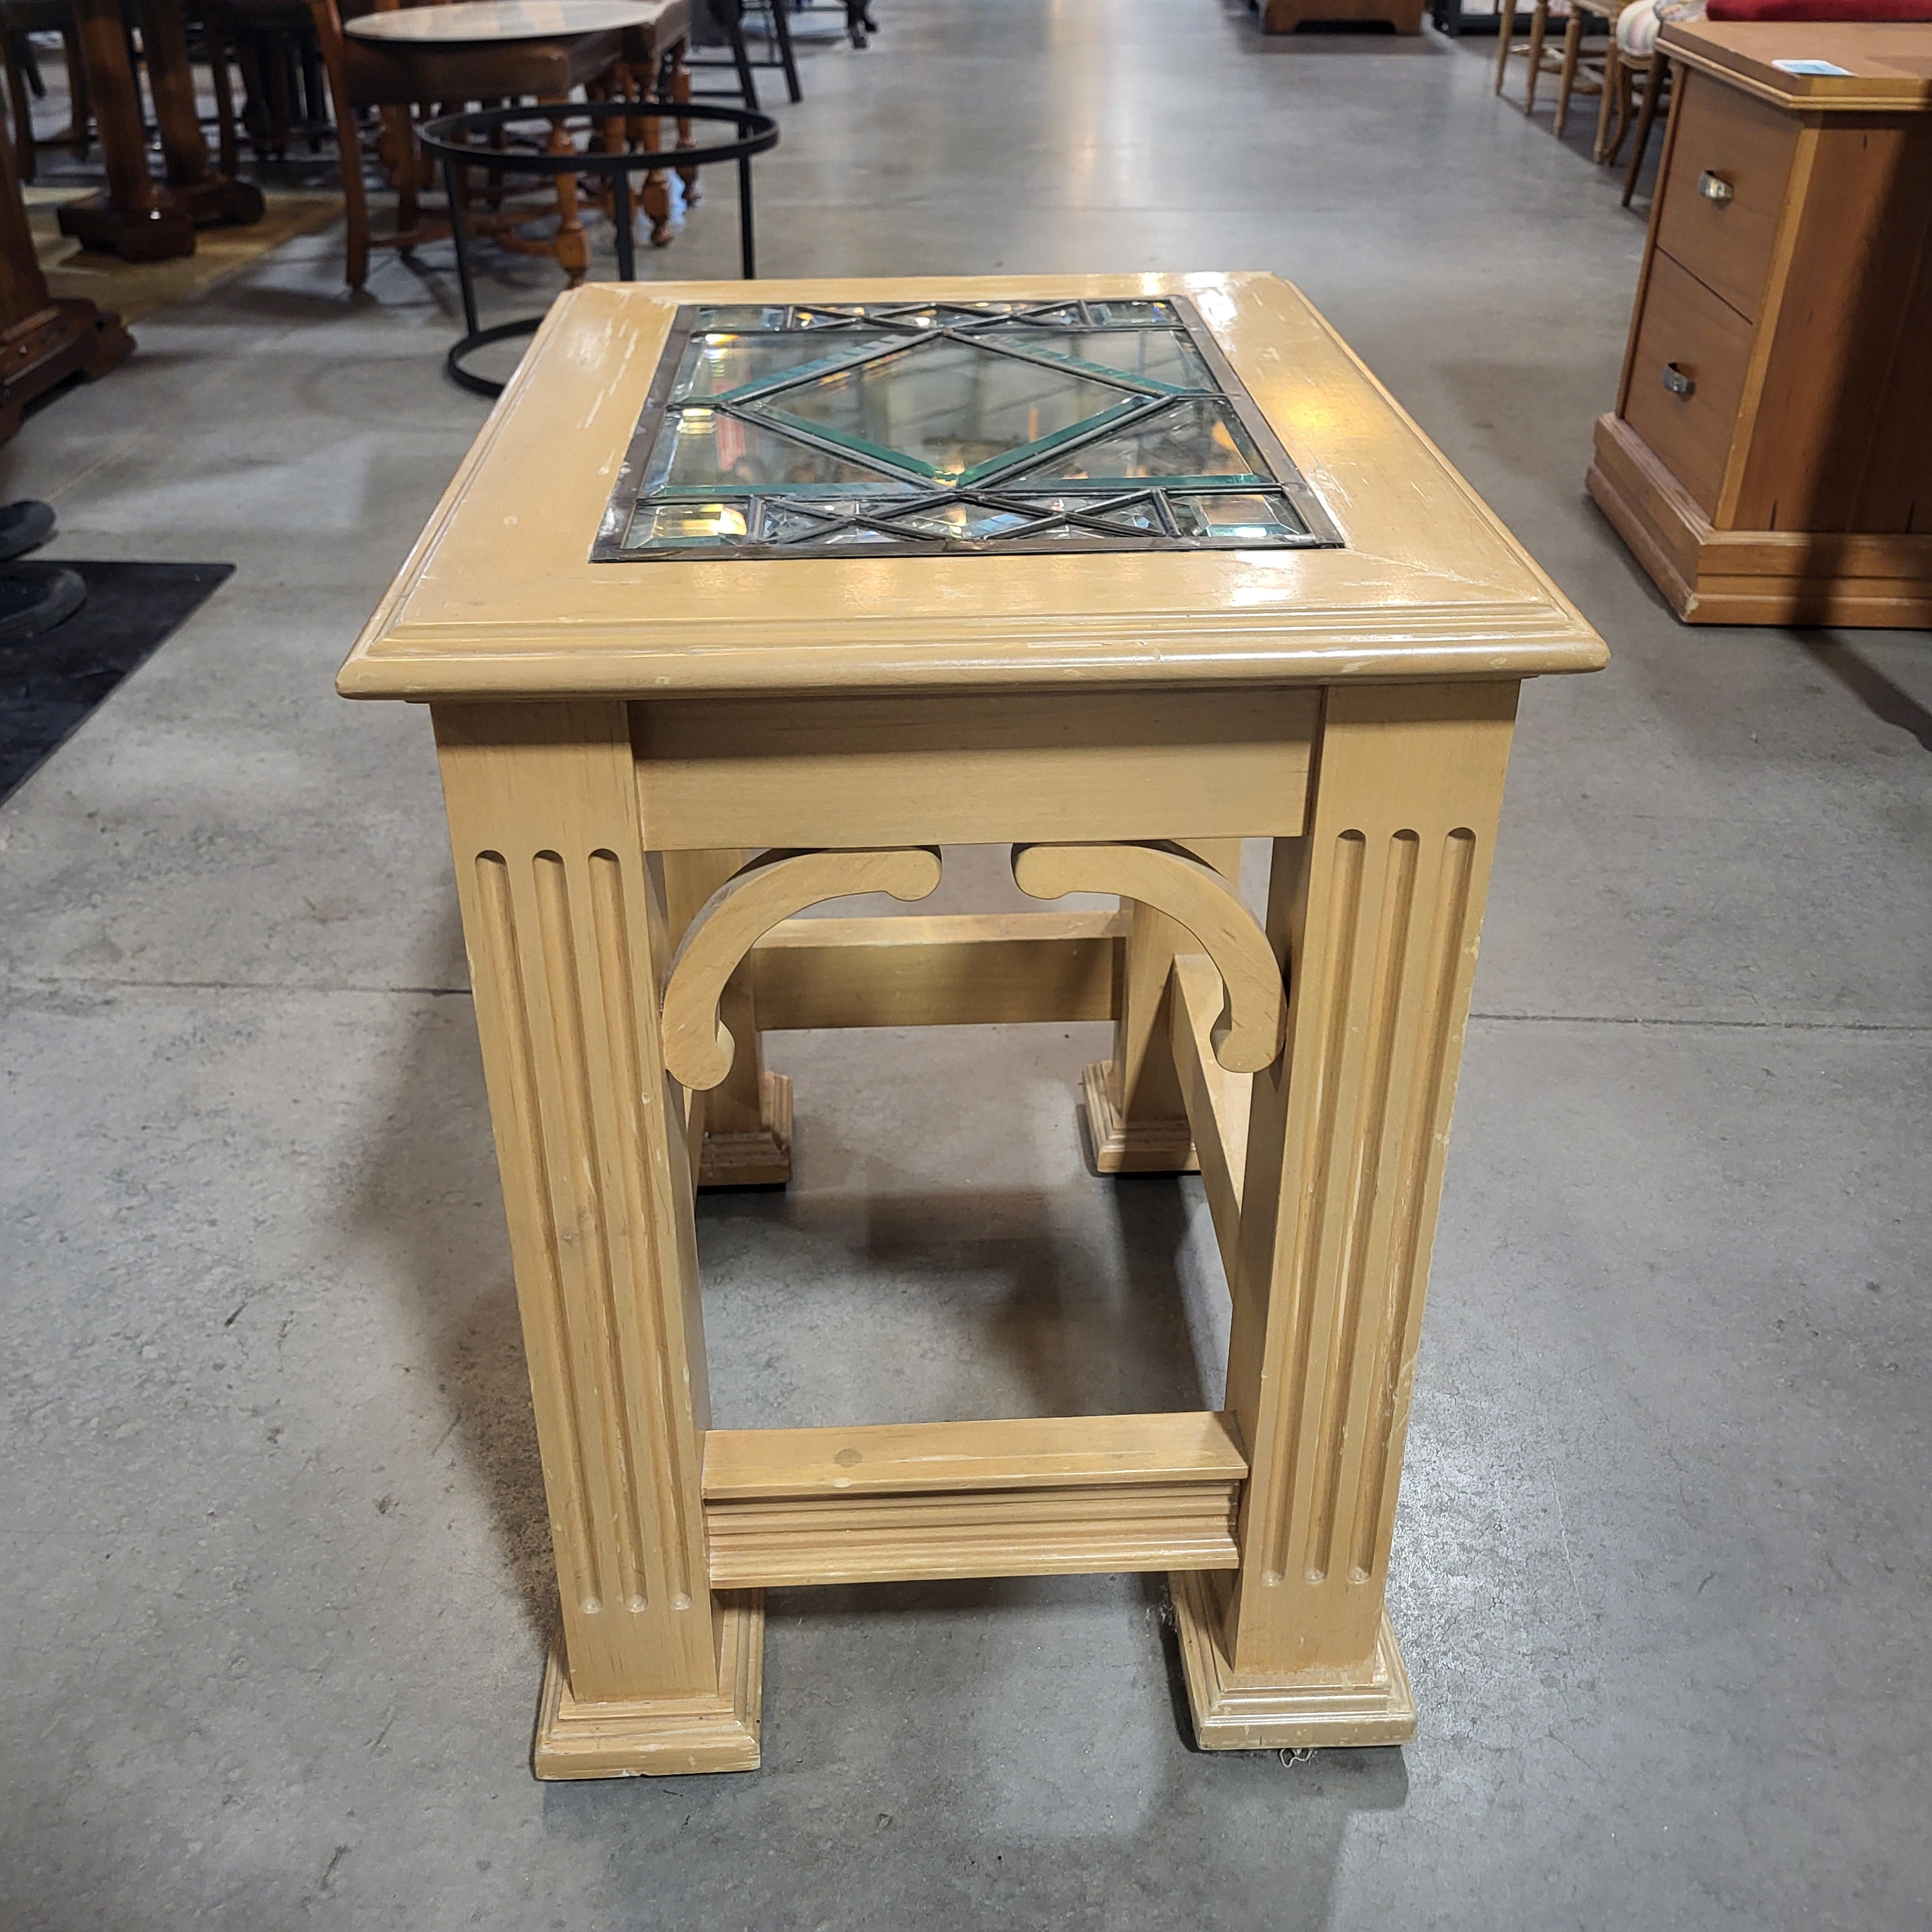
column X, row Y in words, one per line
column 1770, row 458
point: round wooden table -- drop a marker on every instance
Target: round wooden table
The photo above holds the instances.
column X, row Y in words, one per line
column 472, row 22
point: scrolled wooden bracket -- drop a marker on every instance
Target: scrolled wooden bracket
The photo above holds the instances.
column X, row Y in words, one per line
column 698, row 1046
column 1248, row 1035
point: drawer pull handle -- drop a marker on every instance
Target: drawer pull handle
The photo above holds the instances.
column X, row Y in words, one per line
column 1715, row 187
column 1676, row 382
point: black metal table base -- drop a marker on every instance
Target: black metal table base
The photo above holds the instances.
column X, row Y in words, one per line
column 482, row 338
column 450, row 140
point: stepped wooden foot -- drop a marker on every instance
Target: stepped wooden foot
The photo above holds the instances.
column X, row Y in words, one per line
column 662, row 1737
column 1119, row 1146
column 760, row 1158
column 1309, row 1712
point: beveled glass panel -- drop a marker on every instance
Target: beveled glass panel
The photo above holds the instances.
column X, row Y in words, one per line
column 1067, row 536
column 1184, row 442
column 749, row 315
column 710, row 523
column 947, row 404
column 1157, row 353
column 782, row 522
column 951, row 425
column 718, row 361
column 962, row 519
column 1231, row 514
column 702, row 448
column 1138, row 515
column 1131, row 314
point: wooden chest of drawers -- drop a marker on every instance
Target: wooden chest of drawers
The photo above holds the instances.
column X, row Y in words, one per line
column 1769, row 460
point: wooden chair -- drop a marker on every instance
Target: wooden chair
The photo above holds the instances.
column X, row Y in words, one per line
column 404, row 82
column 1616, row 113
column 1580, row 72
column 285, row 93
column 1541, row 62
column 1654, row 77
column 18, row 19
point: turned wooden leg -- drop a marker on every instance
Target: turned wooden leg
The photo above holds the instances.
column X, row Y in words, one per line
column 563, row 925
column 396, row 146
column 228, row 153
column 1608, row 99
column 1374, row 913
column 680, row 91
column 80, row 114
column 1573, row 49
column 1136, row 1118
column 656, row 194
column 1505, row 39
column 747, row 1116
column 1656, row 78
column 573, row 246
column 1539, row 25
column 348, row 152
column 24, row 158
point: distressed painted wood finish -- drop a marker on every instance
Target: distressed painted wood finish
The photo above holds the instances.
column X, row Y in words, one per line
column 563, row 931
column 499, row 597
column 1376, row 913
column 985, row 769
column 741, row 1127
column 1136, row 1116
column 698, row 1047
column 620, row 742
column 1196, row 897
column 1216, row 1101
column 957, row 969
column 1042, row 1496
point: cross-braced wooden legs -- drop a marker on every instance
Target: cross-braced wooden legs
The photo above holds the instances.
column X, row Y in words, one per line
column 1376, row 913
column 564, row 934
column 1135, row 1116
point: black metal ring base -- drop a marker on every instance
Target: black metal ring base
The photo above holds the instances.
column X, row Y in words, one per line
column 450, row 139
column 481, row 338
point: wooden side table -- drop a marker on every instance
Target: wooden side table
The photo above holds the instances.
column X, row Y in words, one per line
column 1116, row 570
column 1769, row 460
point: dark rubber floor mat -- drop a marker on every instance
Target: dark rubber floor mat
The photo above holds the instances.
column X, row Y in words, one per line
column 50, row 683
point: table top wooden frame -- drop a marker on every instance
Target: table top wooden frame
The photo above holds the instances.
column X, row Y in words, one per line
column 1429, row 584
column 487, row 23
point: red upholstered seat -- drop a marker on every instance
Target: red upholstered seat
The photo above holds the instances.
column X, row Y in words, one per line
column 1820, row 10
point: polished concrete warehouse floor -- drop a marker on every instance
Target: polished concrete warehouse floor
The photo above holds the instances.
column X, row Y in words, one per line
column 273, row 1565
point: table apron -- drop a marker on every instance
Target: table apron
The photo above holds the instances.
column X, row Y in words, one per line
column 967, row 770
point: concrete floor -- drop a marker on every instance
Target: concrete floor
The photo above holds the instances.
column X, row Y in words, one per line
column 273, row 1567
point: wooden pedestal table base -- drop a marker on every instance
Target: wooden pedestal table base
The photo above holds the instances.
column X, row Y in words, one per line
column 43, row 342
column 635, row 855
column 137, row 217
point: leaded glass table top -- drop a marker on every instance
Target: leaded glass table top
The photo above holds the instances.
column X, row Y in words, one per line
column 798, row 430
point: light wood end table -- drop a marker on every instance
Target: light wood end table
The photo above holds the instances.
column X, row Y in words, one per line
column 751, row 595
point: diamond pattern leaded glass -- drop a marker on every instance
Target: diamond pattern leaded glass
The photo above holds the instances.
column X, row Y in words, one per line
column 910, row 428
